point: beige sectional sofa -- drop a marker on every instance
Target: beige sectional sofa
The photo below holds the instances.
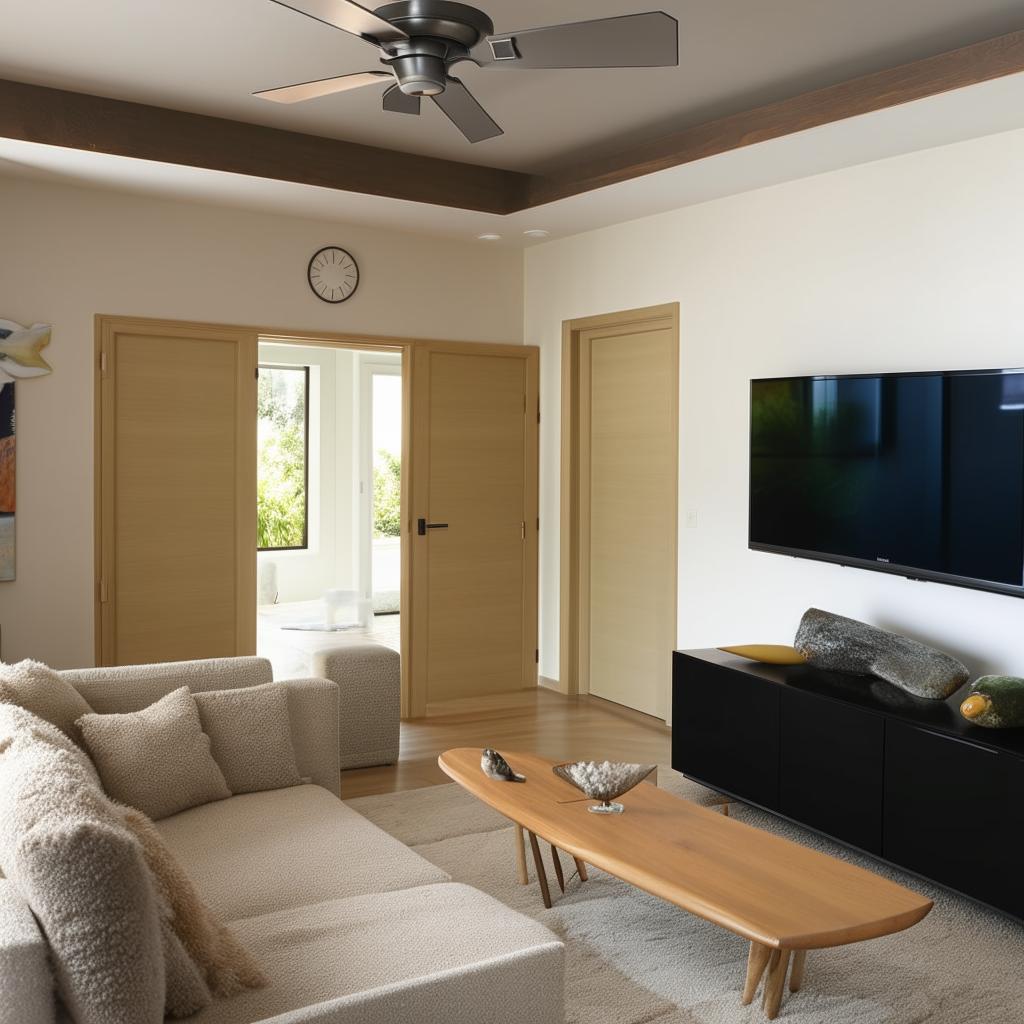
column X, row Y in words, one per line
column 348, row 923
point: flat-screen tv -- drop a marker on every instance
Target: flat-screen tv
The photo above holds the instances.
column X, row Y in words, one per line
column 920, row 474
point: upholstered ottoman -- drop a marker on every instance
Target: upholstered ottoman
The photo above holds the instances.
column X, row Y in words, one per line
column 369, row 677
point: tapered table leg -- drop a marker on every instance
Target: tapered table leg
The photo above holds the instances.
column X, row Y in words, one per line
column 556, row 860
column 796, row 972
column 542, row 877
column 581, row 868
column 520, row 840
column 778, row 964
column 757, row 961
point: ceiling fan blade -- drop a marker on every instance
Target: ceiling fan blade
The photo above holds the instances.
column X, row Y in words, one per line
column 323, row 87
column 348, row 16
column 398, row 103
column 465, row 113
column 648, row 40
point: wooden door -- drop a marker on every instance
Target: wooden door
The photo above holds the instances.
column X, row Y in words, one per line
column 176, row 501
column 623, row 536
column 474, row 486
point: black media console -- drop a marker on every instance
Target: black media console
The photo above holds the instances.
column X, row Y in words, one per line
column 904, row 779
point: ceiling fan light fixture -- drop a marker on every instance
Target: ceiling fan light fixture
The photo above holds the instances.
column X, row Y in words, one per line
column 420, row 74
column 421, row 41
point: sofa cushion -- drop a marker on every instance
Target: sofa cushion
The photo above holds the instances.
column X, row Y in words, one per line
column 26, row 981
column 250, row 736
column 438, row 952
column 157, row 760
column 81, row 873
column 263, row 852
column 224, row 964
column 39, row 689
column 118, row 688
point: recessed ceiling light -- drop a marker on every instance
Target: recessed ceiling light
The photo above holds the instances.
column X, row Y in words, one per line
column 536, row 233
column 489, row 237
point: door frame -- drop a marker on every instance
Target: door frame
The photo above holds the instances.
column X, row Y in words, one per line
column 367, row 371
column 574, row 526
column 420, row 485
column 106, row 326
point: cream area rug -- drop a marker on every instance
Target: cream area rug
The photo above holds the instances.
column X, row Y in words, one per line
column 633, row 959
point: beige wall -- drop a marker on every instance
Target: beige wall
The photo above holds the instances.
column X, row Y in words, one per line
column 911, row 263
column 68, row 253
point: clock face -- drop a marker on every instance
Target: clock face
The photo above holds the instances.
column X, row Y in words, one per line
column 333, row 274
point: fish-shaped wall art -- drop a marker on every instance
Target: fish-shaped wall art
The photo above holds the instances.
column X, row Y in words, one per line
column 20, row 349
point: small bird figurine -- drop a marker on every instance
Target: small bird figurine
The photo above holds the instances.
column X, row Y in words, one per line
column 494, row 766
column 995, row 702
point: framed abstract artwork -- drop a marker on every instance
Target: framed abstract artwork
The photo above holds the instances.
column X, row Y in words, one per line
column 7, row 498
column 20, row 359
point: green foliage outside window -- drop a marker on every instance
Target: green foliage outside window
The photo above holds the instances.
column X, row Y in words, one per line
column 281, row 479
column 387, row 488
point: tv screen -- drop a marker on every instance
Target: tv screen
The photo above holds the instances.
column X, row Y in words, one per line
column 918, row 473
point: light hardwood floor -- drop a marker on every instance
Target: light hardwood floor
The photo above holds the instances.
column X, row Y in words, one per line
column 538, row 721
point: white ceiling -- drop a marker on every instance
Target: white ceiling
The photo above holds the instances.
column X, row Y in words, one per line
column 208, row 57
column 980, row 110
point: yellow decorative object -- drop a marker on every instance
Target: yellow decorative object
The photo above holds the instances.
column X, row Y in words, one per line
column 767, row 654
column 975, row 705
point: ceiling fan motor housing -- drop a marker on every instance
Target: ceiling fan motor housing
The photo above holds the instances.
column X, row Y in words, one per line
column 440, row 32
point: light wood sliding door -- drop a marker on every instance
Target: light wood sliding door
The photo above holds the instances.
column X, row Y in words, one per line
column 474, row 520
column 619, row 506
column 176, row 491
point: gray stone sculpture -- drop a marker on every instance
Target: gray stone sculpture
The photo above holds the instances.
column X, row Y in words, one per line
column 845, row 645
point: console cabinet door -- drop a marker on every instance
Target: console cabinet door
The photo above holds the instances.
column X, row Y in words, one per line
column 953, row 812
column 831, row 768
column 725, row 730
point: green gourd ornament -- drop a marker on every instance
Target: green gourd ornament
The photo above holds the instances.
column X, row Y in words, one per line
column 995, row 702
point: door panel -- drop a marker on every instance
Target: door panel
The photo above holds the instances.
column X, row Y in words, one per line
column 830, row 771
column 178, row 496
column 941, row 795
column 631, row 378
column 475, row 464
column 725, row 731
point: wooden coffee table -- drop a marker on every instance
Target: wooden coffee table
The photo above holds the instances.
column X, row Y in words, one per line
column 784, row 898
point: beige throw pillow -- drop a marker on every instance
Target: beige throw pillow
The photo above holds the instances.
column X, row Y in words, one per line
column 156, row 760
column 37, row 688
column 82, row 873
column 223, row 962
column 250, row 736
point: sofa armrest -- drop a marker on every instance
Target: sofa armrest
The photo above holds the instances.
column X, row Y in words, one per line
column 116, row 690
column 26, row 984
column 313, row 710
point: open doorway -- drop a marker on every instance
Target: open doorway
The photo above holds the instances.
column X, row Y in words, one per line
column 328, row 500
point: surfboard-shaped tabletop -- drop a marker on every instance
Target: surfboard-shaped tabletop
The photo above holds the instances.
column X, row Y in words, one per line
column 754, row 883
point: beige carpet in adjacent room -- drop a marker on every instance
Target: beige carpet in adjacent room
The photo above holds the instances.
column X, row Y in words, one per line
column 633, row 959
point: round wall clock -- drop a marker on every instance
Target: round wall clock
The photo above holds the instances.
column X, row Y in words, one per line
column 333, row 274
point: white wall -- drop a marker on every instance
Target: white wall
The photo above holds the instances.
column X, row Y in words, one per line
column 911, row 263
column 69, row 253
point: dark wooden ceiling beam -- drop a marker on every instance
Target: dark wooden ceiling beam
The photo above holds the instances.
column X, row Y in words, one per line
column 78, row 121
column 970, row 65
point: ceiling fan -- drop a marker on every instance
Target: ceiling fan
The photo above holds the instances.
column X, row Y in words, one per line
column 420, row 40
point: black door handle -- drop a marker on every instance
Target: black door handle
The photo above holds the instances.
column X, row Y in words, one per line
column 422, row 526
